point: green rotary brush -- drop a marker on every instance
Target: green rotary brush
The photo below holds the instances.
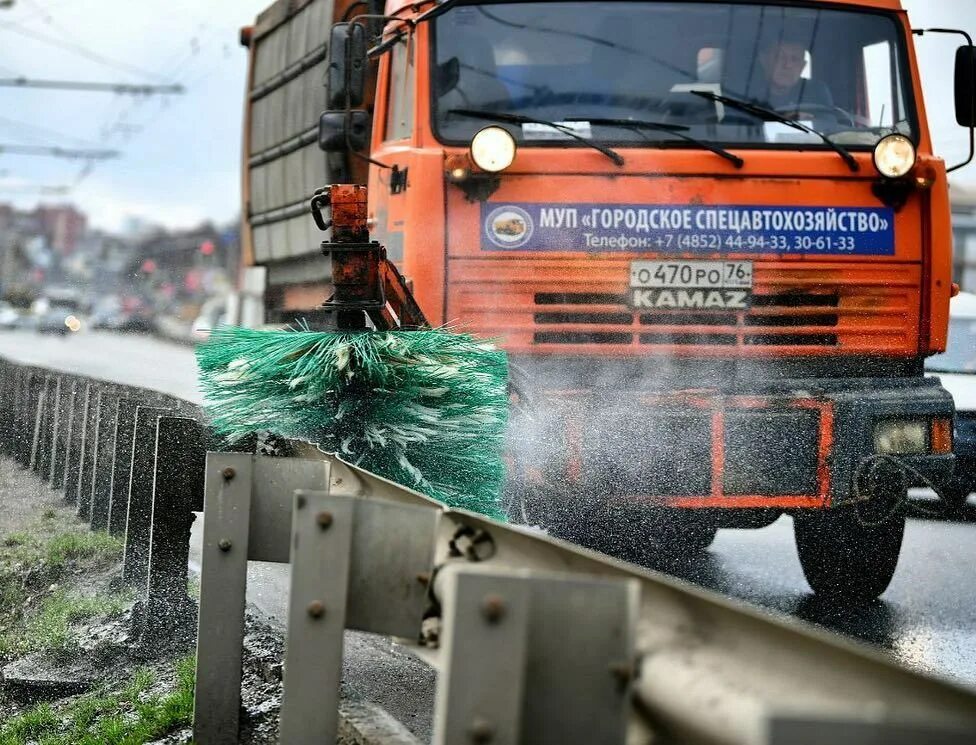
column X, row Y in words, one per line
column 425, row 408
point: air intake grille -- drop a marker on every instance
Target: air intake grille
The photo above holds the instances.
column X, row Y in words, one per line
column 796, row 308
column 800, row 312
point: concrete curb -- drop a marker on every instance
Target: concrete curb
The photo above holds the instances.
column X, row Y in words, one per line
column 362, row 723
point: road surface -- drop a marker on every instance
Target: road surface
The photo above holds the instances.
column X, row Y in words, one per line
column 925, row 619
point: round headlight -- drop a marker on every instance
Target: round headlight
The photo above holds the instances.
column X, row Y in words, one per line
column 493, row 149
column 894, row 156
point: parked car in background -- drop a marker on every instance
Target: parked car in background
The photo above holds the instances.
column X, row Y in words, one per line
column 129, row 313
column 8, row 316
column 956, row 368
column 59, row 315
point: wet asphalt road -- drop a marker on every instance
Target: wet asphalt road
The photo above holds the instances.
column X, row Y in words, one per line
column 926, row 619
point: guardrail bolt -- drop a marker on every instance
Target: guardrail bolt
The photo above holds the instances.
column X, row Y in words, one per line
column 316, row 609
column 493, row 608
column 228, row 473
column 324, row 519
column 224, row 545
column 481, row 732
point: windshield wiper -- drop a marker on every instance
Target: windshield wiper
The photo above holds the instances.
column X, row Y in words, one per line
column 769, row 115
column 616, row 157
column 677, row 130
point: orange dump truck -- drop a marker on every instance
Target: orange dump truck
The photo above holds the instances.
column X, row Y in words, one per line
column 713, row 237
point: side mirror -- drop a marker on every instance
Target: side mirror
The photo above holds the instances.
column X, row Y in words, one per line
column 446, row 76
column 346, row 79
column 965, row 85
column 342, row 131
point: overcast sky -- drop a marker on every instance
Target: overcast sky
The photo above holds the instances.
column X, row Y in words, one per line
column 181, row 154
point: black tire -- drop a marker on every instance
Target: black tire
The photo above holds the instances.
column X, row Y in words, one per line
column 844, row 558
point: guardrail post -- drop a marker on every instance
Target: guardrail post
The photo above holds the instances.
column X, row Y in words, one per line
column 55, row 464
column 177, row 493
column 72, row 453
column 8, row 396
column 358, row 564
column 103, row 458
column 85, row 454
column 125, row 425
column 223, row 588
column 322, row 531
column 60, row 467
column 138, row 521
column 28, row 414
column 247, row 516
column 12, row 443
column 535, row 657
column 40, row 447
column 25, row 418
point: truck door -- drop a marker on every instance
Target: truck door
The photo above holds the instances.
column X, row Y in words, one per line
column 393, row 142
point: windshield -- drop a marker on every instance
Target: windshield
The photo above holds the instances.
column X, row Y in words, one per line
column 840, row 72
column 960, row 354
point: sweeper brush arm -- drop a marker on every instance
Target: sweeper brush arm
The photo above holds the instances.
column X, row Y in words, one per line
column 367, row 285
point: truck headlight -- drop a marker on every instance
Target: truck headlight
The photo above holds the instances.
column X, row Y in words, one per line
column 493, row 149
column 894, row 156
column 901, row 436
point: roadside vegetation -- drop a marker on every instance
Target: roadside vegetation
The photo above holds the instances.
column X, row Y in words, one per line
column 38, row 607
column 54, row 595
column 134, row 715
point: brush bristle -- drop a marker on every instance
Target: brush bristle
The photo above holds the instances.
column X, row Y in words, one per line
column 426, row 409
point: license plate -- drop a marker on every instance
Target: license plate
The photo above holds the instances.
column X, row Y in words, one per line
column 699, row 285
column 705, row 275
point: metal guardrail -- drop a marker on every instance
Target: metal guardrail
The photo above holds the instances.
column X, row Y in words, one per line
column 130, row 459
column 534, row 640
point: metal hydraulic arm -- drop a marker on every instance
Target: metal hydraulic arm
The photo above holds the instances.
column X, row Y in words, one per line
column 368, row 289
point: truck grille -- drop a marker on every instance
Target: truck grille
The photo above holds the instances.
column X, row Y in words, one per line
column 779, row 311
column 859, row 308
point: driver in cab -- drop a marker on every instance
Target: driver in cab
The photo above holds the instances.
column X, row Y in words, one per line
column 786, row 90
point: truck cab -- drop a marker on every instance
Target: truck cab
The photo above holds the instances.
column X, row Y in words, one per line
column 713, row 238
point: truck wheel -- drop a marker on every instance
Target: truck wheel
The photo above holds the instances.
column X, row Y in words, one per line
column 845, row 559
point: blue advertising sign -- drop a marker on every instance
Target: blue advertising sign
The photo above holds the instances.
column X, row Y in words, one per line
column 707, row 229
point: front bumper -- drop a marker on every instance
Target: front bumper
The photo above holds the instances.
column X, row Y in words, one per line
column 965, row 447
column 787, row 444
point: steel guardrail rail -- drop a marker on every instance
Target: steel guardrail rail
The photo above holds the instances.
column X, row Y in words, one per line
column 706, row 669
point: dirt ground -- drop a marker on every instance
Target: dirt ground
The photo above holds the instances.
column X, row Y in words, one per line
column 23, row 499
column 144, row 683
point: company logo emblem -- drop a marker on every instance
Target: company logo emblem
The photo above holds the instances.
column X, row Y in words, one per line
column 509, row 227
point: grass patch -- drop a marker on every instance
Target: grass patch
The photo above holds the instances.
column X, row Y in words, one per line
column 49, row 628
column 96, row 549
column 128, row 717
column 16, row 539
column 34, row 618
